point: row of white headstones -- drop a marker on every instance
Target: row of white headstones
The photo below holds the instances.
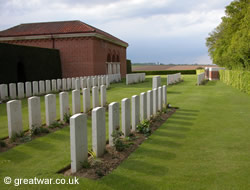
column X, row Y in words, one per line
column 28, row 89
column 200, row 78
column 14, row 108
column 133, row 111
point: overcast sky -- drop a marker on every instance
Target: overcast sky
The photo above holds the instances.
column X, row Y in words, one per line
column 167, row 31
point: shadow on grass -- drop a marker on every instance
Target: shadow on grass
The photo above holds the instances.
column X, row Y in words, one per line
column 177, row 122
column 185, row 114
column 172, row 92
column 183, row 118
column 168, row 134
column 175, row 128
column 188, row 110
column 15, row 156
column 115, row 181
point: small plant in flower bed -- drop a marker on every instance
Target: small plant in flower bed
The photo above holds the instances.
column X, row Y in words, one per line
column 55, row 124
column 2, row 144
column 15, row 136
column 66, row 117
column 117, row 141
column 38, row 130
column 144, row 128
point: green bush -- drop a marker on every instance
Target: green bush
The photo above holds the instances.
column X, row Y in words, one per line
column 183, row 72
column 237, row 79
column 129, row 68
column 199, row 71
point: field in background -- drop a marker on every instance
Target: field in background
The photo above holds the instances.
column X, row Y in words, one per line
column 168, row 67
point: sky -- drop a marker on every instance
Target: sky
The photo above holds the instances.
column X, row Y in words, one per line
column 165, row 31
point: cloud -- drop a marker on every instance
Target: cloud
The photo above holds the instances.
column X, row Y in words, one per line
column 160, row 30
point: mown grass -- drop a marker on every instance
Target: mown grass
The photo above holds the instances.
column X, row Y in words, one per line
column 204, row 145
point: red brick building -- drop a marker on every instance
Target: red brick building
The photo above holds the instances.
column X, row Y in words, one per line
column 84, row 49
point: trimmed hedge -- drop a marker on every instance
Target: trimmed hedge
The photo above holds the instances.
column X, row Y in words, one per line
column 129, row 68
column 199, row 71
column 24, row 63
column 183, row 72
column 237, row 79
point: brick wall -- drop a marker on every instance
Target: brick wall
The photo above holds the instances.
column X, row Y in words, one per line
column 81, row 56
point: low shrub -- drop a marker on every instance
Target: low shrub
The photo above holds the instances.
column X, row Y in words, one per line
column 117, row 141
column 183, row 72
column 237, row 79
column 144, row 128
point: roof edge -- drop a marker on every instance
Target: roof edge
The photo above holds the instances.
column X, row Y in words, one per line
column 72, row 35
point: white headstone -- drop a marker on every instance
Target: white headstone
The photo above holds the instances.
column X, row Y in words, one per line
column 107, row 81
column 35, row 88
column 149, row 104
column 28, row 91
column 160, row 98
column 64, row 84
column 53, row 85
column 95, row 97
column 41, row 87
column 77, row 84
column 12, row 89
column 47, row 86
column 98, row 131
column 114, row 120
column 86, row 100
column 59, row 84
column 143, row 106
column 14, row 113
column 78, row 141
column 20, row 90
column 73, row 83
column 50, row 108
column 64, row 104
column 4, row 91
column 135, row 111
column 155, row 101
column 69, row 81
column 156, row 82
column 126, row 116
column 103, row 95
column 34, row 108
column 164, row 95
column 76, row 102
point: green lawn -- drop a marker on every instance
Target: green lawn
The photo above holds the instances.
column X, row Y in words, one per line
column 204, row 145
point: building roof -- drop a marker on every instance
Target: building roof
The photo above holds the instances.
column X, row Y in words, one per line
column 53, row 28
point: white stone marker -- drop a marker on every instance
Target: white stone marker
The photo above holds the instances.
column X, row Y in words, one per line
column 86, row 100
column 95, row 97
column 143, row 106
column 69, row 83
column 155, row 101
column 76, row 102
column 50, row 108
column 35, row 88
column 103, row 95
column 64, row 84
column 73, row 83
column 99, row 82
column 20, row 90
column 78, row 141
column 64, row 104
column 94, row 81
column 12, row 89
column 149, row 104
column 164, row 96
column 41, row 87
column 107, row 81
column 88, row 83
column 156, row 82
column 135, row 111
column 126, row 116
column 84, row 83
column 77, row 84
column 47, row 86
column 34, row 108
column 103, row 80
column 4, row 91
column 59, row 84
column 53, row 85
column 14, row 113
column 160, row 98
column 98, row 131
column 114, row 120
column 28, row 91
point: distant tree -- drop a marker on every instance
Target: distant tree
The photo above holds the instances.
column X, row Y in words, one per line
column 229, row 43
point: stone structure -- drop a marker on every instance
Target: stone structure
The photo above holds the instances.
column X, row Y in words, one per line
column 34, row 108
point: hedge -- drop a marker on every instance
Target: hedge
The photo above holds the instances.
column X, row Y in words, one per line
column 237, row 79
column 129, row 68
column 166, row 72
column 199, row 71
column 24, row 63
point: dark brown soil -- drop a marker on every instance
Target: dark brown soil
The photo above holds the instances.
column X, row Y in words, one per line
column 99, row 167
